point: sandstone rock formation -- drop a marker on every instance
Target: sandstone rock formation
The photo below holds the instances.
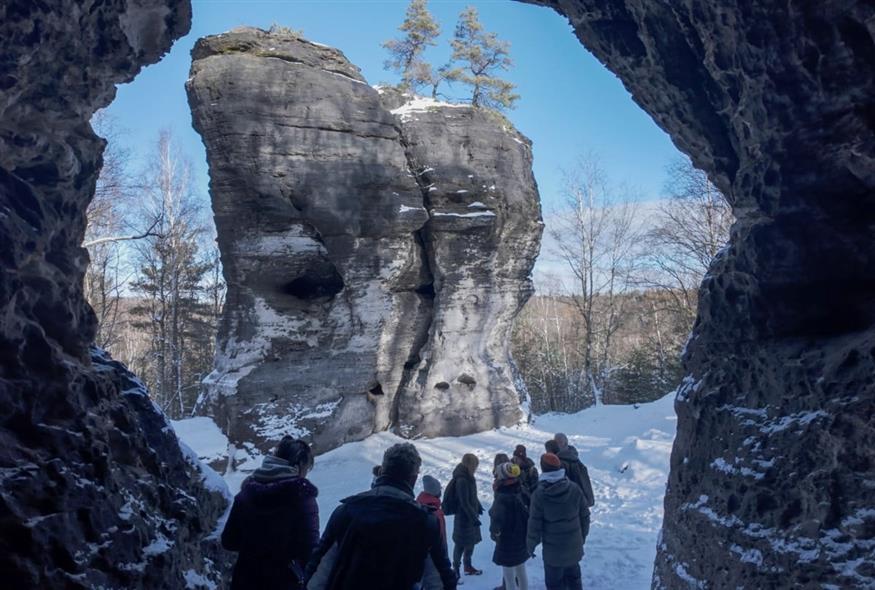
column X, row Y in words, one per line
column 773, row 471
column 95, row 491
column 482, row 238
column 364, row 253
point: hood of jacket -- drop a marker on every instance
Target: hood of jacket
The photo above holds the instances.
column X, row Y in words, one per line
column 462, row 471
column 278, row 491
column 569, row 454
column 274, row 469
column 559, row 491
column 507, row 486
column 429, row 500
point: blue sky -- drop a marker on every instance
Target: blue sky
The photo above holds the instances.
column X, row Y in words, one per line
column 570, row 103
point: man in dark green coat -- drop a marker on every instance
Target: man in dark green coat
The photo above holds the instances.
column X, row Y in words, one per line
column 558, row 519
column 466, row 523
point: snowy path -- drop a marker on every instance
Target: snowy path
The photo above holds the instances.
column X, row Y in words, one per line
column 625, row 449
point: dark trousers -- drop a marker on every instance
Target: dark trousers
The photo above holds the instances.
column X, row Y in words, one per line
column 563, row 578
column 458, row 551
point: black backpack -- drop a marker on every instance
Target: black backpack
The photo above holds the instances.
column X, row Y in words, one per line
column 450, row 503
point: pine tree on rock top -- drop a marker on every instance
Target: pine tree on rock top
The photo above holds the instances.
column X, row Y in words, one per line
column 481, row 55
column 421, row 30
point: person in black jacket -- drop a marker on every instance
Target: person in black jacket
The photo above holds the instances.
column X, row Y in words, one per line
column 575, row 470
column 381, row 539
column 528, row 472
column 466, row 523
column 509, row 518
column 274, row 521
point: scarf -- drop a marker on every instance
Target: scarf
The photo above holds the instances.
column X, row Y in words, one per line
column 273, row 468
column 552, row 476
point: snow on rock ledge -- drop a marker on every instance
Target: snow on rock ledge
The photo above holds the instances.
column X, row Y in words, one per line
column 349, row 257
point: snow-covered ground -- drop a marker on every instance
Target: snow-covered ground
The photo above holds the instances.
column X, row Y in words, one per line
column 625, row 448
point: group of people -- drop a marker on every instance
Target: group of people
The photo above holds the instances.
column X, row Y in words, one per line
column 387, row 539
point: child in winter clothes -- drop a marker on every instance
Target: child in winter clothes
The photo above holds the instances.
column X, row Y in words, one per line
column 509, row 517
column 430, row 497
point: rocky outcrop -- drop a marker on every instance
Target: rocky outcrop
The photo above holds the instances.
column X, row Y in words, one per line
column 772, row 472
column 95, row 491
column 344, row 248
column 481, row 238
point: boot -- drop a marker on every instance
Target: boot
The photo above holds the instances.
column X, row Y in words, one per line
column 470, row 570
column 459, row 581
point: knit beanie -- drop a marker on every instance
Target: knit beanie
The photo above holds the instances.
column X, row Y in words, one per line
column 507, row 471
column 520, row 451
column 431, row 486
column 550, row 462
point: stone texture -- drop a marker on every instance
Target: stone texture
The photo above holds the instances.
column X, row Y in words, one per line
column 335, row 266
column 772, row 478
column 482, row 238
column 94, row 488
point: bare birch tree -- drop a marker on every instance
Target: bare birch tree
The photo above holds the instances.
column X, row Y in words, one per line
column 691, row 227
column 595, row 233
column 170, row 274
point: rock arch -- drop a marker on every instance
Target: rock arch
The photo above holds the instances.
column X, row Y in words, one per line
column 772, row 477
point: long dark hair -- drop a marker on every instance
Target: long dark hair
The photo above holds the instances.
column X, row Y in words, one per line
column 296, row 451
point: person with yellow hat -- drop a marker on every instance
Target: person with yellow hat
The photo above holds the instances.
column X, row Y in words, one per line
column 509, row 517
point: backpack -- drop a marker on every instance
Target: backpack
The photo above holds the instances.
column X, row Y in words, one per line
column 450, row 501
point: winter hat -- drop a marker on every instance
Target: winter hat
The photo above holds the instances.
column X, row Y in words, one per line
column 431, row 486
column 507, row 471
column 550, row 462
column 520, row 451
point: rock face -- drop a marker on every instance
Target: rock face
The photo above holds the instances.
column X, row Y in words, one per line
column 357, row 246
column 95, row 491
column 482, row 238
column 773, row 471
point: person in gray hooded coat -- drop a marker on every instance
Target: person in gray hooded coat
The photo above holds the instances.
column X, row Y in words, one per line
column 558, row 519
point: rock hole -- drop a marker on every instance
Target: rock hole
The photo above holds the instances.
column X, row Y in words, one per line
column 317, row 282
column 376, row 390
column 442, row 385
column 412, row 362
column 466, row 379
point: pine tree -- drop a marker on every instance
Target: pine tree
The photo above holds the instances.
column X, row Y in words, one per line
column 420, row 30
column 482, row 55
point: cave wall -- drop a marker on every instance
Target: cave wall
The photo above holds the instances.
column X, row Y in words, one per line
column 772, row 477
column 95, row 490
